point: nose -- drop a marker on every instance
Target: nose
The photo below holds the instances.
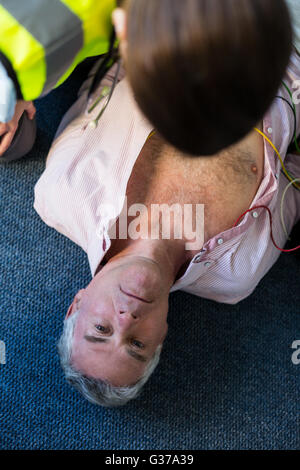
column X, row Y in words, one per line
column 127, row 318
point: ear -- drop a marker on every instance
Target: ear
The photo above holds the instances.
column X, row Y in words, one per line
column 75, row 303
column 119, row 19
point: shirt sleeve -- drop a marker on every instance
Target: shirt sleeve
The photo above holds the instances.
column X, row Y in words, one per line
column 8, row 97
column 294, row 7
column 292, row 82
column 296, row 91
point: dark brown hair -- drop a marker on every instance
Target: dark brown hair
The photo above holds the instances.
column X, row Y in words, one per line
column 204, row 72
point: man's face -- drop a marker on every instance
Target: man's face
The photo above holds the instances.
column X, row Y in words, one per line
column 122, row 320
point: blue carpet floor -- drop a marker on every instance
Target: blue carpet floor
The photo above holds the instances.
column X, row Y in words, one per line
column 225, row 381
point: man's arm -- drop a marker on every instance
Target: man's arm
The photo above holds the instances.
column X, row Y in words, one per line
column 294, row 7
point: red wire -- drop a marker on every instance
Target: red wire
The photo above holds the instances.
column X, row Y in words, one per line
column 271, row 227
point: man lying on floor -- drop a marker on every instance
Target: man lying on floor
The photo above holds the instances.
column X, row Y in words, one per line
column 115, row 327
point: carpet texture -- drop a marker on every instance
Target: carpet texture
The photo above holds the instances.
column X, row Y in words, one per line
column 225, row 380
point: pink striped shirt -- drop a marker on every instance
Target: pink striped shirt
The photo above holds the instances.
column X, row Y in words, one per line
column 87, row 168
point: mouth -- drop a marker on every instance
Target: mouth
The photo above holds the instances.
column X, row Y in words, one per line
column 133, row 296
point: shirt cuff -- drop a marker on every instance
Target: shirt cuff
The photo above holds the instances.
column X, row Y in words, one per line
column 8, row 97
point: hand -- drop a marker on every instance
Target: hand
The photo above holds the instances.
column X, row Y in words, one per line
column 8, row 130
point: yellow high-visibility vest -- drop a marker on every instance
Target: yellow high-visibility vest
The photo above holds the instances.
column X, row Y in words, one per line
column 44, row 40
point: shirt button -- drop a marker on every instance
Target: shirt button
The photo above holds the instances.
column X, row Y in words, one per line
column 277, row 176
column 255, row 215
column 220, row 241
column 207, row 264
column 270, row 130
column 198, row 259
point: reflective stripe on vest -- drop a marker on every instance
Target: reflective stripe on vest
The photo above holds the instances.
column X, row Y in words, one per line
column 45, row 40
column 15, row 42
column 97, row 27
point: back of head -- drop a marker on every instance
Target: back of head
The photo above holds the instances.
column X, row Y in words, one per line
column 204, row 72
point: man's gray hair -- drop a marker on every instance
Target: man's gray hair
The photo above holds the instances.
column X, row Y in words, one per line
column 98, row 391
